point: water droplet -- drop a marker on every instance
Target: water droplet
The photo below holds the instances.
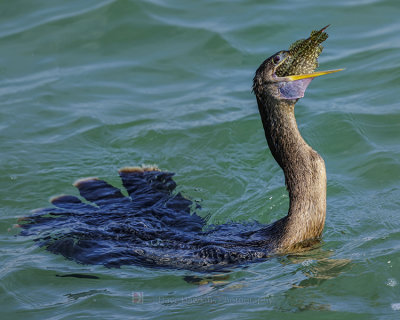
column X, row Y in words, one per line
column 396, row 306
column 307, row 262
column 391, row 282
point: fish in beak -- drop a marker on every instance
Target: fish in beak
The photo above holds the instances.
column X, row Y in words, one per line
column 294, row 68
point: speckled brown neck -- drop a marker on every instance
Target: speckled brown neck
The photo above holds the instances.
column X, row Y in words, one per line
column 304, row 170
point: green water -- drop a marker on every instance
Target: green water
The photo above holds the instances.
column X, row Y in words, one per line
column 87, row 87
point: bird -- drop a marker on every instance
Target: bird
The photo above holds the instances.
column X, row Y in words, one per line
column 155, row 226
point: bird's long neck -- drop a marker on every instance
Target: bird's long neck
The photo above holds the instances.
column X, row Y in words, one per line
column 304, row 170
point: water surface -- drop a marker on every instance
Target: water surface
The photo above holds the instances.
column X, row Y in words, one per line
column 87, row 87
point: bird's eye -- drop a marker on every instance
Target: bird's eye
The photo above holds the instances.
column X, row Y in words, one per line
column 276, row 59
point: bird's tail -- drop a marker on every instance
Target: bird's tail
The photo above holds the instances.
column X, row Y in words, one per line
column 106, row 227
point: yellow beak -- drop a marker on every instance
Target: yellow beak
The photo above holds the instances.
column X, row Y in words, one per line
column 310, row 75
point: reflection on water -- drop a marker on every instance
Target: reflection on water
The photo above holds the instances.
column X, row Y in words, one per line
column 86, row 294
column 317, row 265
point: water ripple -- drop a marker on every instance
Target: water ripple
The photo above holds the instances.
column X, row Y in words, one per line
column 50, row 15
column 88, row 87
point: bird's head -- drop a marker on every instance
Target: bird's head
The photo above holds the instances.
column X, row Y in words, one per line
column 287, row 74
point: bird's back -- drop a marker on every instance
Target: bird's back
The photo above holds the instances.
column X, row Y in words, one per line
column 152, row 226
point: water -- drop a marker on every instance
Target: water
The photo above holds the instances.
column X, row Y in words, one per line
column 87, row 87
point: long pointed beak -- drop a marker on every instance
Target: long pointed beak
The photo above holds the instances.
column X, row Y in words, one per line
column 310, row 75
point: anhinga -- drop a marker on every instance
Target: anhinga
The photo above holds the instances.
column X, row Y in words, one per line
column 154, row 226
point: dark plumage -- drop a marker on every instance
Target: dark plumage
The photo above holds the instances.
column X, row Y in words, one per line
column 155, row 226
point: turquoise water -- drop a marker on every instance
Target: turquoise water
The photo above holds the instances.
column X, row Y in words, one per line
column 87, row 87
